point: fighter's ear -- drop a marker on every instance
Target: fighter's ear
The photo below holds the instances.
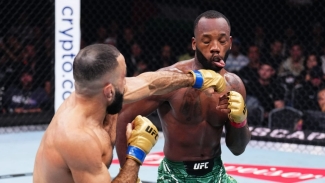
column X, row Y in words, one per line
column 193, row 43
column 230, row 40
column 109, row 91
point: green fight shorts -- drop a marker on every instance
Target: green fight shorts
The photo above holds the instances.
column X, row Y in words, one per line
column 207, row 171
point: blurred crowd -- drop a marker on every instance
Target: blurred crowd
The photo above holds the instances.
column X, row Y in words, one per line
column 27, row 67
column 277, row 72
column 282, row 72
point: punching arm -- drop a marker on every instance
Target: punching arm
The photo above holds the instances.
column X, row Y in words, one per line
column 154, row 83
column 163, row 82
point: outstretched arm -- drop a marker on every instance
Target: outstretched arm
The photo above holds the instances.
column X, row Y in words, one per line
column 163, row 82
column 155, row 83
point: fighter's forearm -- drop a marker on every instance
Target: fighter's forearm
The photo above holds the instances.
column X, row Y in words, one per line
column 128, row 173
column 163, row 82
column 237, row 138
column 155, row 83
column 121, row 143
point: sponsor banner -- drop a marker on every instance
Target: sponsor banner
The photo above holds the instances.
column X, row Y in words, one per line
column 67, row 45
column 289, row 136
column 268, row 173
column 275, row 173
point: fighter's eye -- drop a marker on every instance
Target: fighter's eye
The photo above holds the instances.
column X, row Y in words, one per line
column 206, row 42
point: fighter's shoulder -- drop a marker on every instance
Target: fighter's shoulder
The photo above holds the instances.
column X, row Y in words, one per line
column 80, row 138
column 234, row 82
column 181, row 66
column 232, row 76
column 81, row 149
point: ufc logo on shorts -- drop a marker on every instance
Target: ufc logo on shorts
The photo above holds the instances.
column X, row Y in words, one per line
column 199, row 166
column 151, row 131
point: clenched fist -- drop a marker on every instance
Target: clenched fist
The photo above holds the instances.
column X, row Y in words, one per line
column 204, row 79
column 143, row 137
column 233, row 103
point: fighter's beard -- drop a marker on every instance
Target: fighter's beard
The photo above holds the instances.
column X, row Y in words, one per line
column 208, row 64
column 116, row 105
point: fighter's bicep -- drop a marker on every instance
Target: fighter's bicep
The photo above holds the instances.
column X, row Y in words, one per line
column 143, row 107
column 91, row 174
column 83, row 155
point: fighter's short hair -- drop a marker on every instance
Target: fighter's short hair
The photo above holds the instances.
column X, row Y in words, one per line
column 94, row 61
column 210, row 14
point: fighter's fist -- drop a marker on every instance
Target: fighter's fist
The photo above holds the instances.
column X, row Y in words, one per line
column 143, row 137
column 234, row 104
column 208, row 78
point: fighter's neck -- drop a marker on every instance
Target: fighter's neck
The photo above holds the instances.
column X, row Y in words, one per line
column 196, row 65
column 91, row 108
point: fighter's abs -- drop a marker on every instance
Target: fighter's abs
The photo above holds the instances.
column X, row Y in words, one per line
column 191, row 121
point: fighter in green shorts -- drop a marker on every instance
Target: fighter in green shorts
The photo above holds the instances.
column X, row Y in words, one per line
column 208, row 171
column 193, row 121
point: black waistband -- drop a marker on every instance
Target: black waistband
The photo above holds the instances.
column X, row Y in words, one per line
column 199, row 168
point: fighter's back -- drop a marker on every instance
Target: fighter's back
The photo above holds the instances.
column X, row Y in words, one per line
column 49, row 165
column 67, row 128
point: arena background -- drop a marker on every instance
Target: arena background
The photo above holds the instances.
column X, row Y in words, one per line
column 39, row 41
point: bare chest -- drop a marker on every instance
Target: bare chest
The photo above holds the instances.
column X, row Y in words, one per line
column 191, row 106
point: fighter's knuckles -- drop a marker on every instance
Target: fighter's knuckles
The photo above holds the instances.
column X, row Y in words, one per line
column 208, row 78
column 232, row 93
column 138, row 120
column 235, row 97
column 233, row 105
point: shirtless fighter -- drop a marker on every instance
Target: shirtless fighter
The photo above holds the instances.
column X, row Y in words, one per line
column 192, row 121
column 78, row 144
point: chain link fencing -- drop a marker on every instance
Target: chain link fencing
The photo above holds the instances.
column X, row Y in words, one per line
column 26, row 62
column 278, row 51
